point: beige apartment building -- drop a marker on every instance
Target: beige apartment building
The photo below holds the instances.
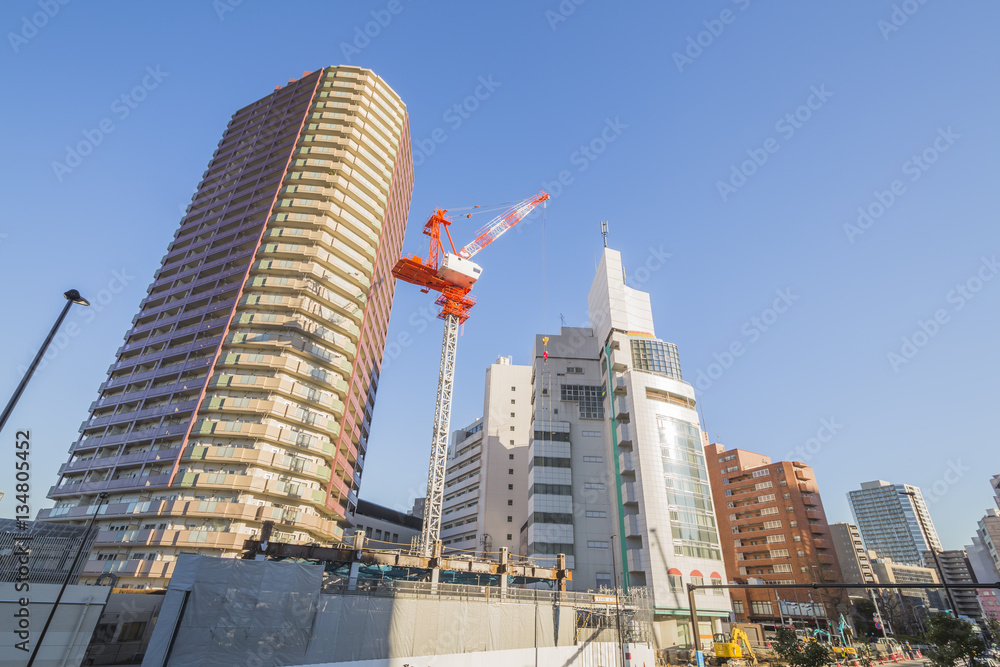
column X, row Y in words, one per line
column 244, row 390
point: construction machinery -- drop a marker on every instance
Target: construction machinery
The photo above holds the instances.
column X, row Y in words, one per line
column 452, row 274
column 840, row 649
column 735, row 649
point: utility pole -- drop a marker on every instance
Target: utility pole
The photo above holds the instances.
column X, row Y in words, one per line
column 933, row 550
column 79, row 552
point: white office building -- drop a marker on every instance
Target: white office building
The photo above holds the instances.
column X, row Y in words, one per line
column 485, row 492
column 668, row 518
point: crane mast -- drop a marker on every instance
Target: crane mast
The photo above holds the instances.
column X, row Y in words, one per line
column 453, row 275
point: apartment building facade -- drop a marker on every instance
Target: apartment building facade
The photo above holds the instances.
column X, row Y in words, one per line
column 245, row 388
column 570, row 476
column 892, row 521
column 855, row 568
column 655, row 449
column 486, row 492
column 775, row 530
column 953, row 568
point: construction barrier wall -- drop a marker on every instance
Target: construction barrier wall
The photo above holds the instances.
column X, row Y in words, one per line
column 264, row 614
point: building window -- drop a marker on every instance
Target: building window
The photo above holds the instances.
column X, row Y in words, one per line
column 697, row 581
column 510, row 487
column 511, row 428
column 597, row 544
column 596, row 515
column 738, row 606
column 590, row 398
column 510, row 471
column 512, row 414
column 603, row 580
column 718, row 591
column 761, row 607
column 676, row 583
column 513, row 401
column 599, row 486
column 509, row 537
column 513, row 388
column 593, row 459
column 510, row 502
column 510, row 519
column 654, row 356
column 510, row 456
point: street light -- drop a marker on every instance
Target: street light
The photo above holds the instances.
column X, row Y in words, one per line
column 72, row 296
column 933, row 550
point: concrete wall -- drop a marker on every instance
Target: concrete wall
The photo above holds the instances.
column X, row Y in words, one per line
column 68, row 635
column 597, row 654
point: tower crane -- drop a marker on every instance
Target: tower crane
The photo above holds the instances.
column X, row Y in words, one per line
column 452, row 274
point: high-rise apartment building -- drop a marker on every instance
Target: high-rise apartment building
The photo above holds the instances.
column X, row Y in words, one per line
column 485, row 492
column 571, row 507
column 988, row 532
column 656, row 457
column 888, row 571
column 892, row 518
column 244, row 390
column 852, row 557
column 774, row 529
column 953, row 567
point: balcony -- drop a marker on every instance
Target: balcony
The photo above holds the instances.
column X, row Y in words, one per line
column 627, row 463
column 622, row 410
column 621, row 388
column 635, row 563
column 629, row 495
column 625, row 436
column 633, row 527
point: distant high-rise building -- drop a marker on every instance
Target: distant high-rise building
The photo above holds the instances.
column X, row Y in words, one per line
column 980, row 561
column 485, row 492
column 851, row 554
column 953, row 566
column 988, row 532
column 655, row 449
column 888, row 571
column 773, row 529
column 244, row 390
column 571, row 509
column 891, row 520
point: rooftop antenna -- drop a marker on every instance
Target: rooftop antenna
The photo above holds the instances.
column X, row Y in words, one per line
column 604, row 232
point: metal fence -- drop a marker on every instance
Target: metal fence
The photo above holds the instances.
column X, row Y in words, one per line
column 50, row 550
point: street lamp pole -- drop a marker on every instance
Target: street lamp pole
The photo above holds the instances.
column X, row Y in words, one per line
column 933, row 550
column 72, row 296
column 79, row 552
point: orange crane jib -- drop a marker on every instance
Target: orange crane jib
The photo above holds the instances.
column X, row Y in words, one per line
column 453, row 274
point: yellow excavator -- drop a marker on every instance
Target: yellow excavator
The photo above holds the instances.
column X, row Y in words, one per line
column 835, row 644
column 734, row 650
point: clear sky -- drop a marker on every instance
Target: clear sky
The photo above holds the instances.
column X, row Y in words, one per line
column 738, row 137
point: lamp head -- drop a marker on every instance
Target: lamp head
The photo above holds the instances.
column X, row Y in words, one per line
column 75, row 297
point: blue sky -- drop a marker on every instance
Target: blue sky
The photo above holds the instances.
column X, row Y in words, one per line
column 740, row 138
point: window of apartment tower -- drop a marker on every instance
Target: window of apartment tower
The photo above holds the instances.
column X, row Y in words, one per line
column 510, row 487
column 510, row 471
column 738, row 606
column 510, row 502
column 510, row 519
column 510, row 456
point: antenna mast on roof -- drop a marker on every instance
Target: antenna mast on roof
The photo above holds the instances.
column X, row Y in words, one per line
column 604, row 232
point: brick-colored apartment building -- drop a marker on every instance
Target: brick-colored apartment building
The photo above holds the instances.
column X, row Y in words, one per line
column 773, row 530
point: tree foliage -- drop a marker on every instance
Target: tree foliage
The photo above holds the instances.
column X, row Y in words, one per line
column 953, row 641
column 799, row 653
